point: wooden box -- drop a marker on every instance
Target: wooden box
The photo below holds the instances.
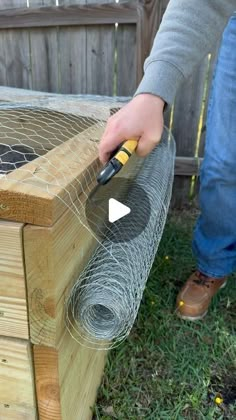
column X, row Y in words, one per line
column 44, row 372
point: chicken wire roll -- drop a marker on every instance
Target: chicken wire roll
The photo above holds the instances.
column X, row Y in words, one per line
column 103, row 303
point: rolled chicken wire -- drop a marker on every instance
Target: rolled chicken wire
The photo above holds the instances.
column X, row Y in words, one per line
column 103, row 304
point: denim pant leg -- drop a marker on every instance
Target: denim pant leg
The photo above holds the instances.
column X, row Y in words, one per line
column 214, row 243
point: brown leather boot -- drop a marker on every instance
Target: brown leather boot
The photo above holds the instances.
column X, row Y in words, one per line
column 195, row 296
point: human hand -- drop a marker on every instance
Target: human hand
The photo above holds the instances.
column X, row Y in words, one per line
column 141, row 118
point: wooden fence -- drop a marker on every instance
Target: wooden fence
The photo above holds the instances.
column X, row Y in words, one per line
column 86, row 46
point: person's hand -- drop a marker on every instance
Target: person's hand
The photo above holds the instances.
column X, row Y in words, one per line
column 141, row 118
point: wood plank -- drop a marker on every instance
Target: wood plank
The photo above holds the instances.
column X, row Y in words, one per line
column 100, row 56
column 67, row 379
column 17, row 53
column 187, row 166
column 13, row 305
column 72, row 47
column 3, row 70
column 100, row 60
column 44, row 54
column 101, row 14
column 18, row 67
column 126, row 81
column 39, row 192
column 54, row 259
column 17, row 395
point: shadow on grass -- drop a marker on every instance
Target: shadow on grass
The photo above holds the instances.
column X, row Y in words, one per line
column 168, row 368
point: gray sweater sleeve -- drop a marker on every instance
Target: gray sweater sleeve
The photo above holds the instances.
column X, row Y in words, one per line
column 188, row 31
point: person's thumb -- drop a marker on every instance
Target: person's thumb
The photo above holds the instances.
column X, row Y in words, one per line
column 110, row 140
column 147, row 142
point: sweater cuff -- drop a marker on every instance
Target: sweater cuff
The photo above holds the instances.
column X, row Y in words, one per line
column 161, row 79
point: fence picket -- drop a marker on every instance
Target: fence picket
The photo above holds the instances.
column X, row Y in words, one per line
column 15, row 66
column 187, row 111
column 72, row 55
column 100, row 57
column 126, row 78
column 44, row 54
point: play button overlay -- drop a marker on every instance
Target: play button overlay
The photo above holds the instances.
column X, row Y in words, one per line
column 118, row 211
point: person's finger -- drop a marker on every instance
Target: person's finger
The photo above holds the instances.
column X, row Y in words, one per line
column 110, row 140
column 146, row 144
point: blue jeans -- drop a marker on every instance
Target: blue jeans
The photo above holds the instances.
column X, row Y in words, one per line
column 214, row 243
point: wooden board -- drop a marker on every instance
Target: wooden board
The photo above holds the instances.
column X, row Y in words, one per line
column 54, row 258
column 100, row 60
column 17, row 394
column 15, row 49
column 13, row 305
column 100, row 55
column 44, row 54
column 38, row 192
column 102, row 14
column 67, row 379
column 187, row 166
column 72, row 47
column 126, row 78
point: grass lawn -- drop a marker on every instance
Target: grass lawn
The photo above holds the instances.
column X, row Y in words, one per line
column 169, row 368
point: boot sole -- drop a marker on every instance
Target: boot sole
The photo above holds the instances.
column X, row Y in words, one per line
column 199, row 317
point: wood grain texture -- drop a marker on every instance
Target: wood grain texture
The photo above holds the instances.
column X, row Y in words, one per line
column 100, row 60
column 126, row 80
column 44, row 54
column 15, row 61
column 100, row 56
column 101, row 14
column 3, row 70
column 72, row 47
column 54, row 259
column 13, row 305
column 67, row 379
column 17, row 394
column 40, row 191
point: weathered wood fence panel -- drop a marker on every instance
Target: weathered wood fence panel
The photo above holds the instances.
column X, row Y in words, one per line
column 76, row 46
column 44, row 54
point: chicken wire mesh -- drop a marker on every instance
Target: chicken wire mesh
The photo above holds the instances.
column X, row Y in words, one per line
column 103, row 303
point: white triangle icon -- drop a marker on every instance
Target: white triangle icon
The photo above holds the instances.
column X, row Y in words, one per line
column 116, row 210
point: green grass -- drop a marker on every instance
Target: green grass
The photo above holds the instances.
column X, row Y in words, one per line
column 168, row 368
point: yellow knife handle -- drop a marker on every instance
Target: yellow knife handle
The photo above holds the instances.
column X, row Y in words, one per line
column 126, row 150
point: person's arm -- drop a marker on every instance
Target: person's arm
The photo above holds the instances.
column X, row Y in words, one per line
column 187, row 33
column 189, row 30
